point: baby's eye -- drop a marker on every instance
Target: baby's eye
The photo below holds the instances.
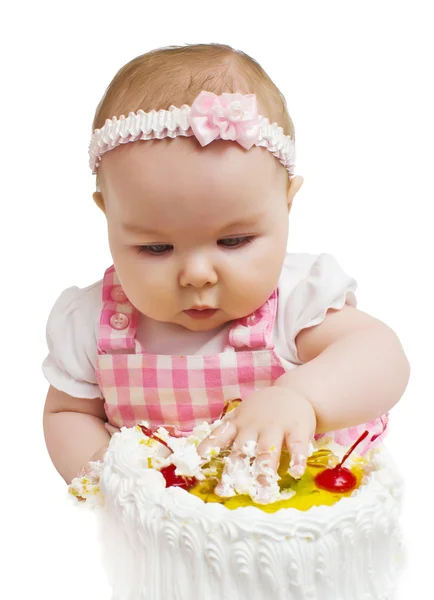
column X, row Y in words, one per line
column 235, row 242
column 155, row 249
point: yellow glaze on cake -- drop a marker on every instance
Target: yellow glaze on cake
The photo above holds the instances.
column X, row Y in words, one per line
column 307, row 494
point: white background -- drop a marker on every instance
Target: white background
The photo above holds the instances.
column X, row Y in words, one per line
column 357, row 78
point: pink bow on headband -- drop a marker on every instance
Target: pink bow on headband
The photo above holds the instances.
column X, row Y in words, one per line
column 229, row 116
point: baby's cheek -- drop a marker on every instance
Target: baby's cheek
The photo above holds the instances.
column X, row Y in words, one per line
column 157, row 292
column 251, row 275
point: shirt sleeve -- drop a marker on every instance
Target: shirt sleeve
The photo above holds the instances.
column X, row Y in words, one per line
column 72, row 343
column 325, row 285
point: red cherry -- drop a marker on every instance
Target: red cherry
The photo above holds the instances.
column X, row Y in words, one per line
column 177, row 480
column 339, row 479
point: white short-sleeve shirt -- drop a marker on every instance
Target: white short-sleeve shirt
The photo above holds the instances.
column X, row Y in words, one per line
column 309, row 285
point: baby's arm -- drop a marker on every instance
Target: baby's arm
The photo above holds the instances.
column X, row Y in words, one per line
column 354, row 369
column 74, row 431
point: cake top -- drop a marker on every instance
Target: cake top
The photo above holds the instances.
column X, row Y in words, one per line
column 174, row 462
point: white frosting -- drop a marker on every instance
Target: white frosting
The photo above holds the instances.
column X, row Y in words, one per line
column 163, row 543
column 244, row 475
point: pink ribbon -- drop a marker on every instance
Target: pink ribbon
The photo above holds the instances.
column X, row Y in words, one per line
column 227, row 117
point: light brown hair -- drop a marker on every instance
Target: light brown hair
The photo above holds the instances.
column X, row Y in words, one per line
column 177, row 74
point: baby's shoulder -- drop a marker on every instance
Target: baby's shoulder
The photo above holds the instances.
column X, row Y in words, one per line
column 304, row 271
column 82, row 305
column 72, row 337
column 298, row 265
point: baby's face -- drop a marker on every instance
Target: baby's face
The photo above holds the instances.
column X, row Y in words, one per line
column 191, row 226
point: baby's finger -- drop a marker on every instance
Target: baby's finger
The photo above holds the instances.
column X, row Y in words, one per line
column 298, row 451
column 268, row 455
column 243, row 446
column 245, row 443
column 237, row 465
column 222, row 436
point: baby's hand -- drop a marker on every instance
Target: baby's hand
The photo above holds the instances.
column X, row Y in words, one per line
column 99, row 454
column 111, row 429
column 271, row 417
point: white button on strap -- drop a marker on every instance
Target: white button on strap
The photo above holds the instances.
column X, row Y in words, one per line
column 118, row 295
column 119, row 321
column 252, row 319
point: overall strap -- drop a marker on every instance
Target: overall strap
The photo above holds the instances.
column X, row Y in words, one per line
column 118, row 322
column 256, row 330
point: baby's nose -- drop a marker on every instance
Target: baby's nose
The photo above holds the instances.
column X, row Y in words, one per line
column 198, row 273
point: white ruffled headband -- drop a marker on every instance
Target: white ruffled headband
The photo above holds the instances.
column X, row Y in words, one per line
column 210, row 117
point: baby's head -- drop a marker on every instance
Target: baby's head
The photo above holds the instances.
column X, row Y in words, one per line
column 191, row 225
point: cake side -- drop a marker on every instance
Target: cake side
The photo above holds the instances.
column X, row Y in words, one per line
column 174, row 545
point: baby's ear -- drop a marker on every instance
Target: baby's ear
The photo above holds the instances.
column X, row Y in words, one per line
column 99, row 201
column 294, row 186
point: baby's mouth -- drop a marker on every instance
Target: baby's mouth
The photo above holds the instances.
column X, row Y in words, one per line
column 201, row 313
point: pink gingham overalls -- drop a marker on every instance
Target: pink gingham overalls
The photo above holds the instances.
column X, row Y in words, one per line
column 183, row 391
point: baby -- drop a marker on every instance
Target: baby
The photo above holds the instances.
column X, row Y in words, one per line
column 203, row 305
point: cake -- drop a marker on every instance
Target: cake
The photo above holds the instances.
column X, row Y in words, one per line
column 167, row 535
